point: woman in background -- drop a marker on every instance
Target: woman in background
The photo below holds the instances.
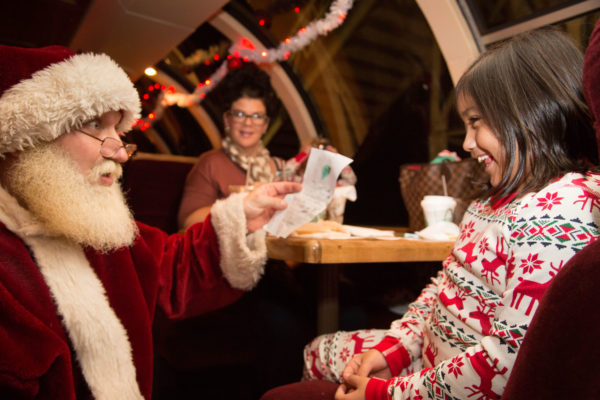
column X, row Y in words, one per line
column 242, row 160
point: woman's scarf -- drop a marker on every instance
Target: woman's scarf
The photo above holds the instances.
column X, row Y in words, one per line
column 258, row 168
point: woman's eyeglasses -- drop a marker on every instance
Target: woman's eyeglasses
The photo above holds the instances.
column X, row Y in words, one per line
column 240, row 116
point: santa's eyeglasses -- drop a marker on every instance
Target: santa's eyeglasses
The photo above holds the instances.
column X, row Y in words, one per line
column 109, row 147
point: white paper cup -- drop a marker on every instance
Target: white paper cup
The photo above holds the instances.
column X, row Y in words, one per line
column 437, row 209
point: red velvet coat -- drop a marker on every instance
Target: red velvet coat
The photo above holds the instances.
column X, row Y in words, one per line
column 178, row 275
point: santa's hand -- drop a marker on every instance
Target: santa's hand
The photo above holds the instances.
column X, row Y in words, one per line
column 262, row 202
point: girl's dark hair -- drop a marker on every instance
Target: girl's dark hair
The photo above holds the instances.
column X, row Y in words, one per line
column 248, row 81
column 529, row 92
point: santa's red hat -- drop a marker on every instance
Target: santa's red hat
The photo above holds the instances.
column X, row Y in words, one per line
column 49, row 91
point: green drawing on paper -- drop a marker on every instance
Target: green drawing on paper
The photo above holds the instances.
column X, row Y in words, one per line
column 326, row 171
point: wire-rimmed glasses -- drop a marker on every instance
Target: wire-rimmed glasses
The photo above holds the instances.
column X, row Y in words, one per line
column 255, row 118
column 109, row 147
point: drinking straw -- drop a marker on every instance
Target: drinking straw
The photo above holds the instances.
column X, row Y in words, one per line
column 444, row 184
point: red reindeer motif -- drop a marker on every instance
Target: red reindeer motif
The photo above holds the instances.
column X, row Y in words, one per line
column 359, row 342
column 431, row 352
column 456, row 300
column 532, row 289
column 484, row 314
column 486, row 374
column 490, row 268
column 313, row 366
column 586, row 195
column 468, row 249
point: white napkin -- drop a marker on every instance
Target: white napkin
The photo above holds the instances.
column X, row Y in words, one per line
column 350, row 232
column 441, row 231
column 359, row 231
column 337, row 205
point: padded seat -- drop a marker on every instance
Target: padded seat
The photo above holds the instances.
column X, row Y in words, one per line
column 305, row 390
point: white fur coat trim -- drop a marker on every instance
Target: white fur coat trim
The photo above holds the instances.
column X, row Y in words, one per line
column 99, row 339
column 63, row 96
column 243, row 256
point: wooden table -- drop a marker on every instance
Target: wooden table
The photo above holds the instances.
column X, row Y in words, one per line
column 334, row 252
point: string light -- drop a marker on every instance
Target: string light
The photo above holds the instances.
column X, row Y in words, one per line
column 246, row 51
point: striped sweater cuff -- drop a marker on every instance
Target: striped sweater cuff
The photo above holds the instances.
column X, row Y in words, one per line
column 376, row 389
column 395, row 354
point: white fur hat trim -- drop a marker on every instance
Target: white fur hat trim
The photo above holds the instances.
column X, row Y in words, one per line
column 63, row 96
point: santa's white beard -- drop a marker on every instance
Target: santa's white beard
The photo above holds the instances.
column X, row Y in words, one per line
column 50, row 185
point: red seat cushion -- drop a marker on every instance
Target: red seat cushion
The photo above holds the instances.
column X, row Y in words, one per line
column 305, row 390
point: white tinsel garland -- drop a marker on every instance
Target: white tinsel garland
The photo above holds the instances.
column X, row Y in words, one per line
column 245, row 50
column 200, row 56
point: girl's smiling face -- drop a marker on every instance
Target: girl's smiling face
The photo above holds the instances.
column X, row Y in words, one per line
column 480, row 141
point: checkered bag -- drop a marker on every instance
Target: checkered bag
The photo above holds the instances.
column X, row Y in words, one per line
column 464, row 179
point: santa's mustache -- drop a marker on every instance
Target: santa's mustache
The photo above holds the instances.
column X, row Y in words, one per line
column 108, row 168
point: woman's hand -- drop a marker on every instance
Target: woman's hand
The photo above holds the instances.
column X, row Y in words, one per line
column 262, row 202
column 370, row 363
column 353, row 388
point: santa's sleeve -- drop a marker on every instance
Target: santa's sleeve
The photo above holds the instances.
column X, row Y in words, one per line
column 211, row 263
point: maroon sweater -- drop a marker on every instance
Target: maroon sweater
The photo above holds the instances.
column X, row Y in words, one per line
column 208, row 181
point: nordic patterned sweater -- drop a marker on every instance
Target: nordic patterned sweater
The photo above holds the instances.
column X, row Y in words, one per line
column 461, row 336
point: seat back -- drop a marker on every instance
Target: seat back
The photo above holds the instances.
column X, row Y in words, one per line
column 153, row 185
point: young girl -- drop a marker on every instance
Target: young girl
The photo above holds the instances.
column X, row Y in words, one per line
column 528, row 125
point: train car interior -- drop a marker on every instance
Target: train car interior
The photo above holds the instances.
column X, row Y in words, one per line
column 374, row 78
